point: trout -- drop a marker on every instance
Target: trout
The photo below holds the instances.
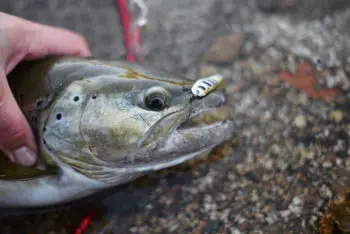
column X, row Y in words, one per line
column 99, row 124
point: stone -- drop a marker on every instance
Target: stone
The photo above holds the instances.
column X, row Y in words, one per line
column 336, row 116
column 207, row 70
column 268, row 5
column 224, row 49
column 300, row 121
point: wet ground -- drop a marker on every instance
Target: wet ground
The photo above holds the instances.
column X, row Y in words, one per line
column 287, row 68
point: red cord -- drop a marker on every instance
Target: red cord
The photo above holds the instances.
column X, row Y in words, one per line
column 125, row 17
column 86, row 221
column 137, row 39
column 132, row 42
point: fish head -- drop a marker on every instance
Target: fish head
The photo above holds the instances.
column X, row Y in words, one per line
column 110, row 126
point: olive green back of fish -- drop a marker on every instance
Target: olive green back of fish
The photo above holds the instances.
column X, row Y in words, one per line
column 14, row 171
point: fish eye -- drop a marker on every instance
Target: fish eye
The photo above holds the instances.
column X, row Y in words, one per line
column 156, row 98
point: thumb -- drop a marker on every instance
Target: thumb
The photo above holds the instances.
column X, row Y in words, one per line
column 16, row 138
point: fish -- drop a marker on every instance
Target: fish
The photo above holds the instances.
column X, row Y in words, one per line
column 99, row 124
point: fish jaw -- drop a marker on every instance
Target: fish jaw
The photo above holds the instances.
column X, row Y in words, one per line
column 179, row 142
column 185, row 144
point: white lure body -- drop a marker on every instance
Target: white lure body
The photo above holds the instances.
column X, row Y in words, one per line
column 204, row 86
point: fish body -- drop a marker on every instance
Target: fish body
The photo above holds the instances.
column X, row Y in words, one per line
column 99, row 124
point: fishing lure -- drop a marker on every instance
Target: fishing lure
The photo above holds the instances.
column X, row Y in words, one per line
column 206, row 85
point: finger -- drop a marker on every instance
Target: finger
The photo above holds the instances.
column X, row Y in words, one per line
column 46, row 40
column 16, row 139
column 36, row 41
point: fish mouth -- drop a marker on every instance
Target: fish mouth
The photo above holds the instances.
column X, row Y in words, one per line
column 201, row 127
column 203, row 130
column 210, row 123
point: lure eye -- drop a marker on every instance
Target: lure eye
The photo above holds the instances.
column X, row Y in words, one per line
column 156, row 98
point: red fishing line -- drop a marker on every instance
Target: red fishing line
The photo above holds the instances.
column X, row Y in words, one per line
column 131, row 38
column 86, row 221
column 131, row 41
column 125, row 17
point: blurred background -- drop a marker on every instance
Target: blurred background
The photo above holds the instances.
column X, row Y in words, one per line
column 287, row 67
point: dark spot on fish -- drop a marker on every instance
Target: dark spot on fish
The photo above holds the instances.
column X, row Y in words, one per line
column 44, row 141
column 44, row 129
column 59, row 116
column 76, row 98
column 94, row 97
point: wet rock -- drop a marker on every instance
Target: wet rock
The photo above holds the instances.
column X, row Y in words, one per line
column 268, row 5
column 337, row 78
column 336, row 217
column 179, row 31
column 207, row 70
column 224, row 49
column 300, row 121
column 336, row 116
column 269, row 61
column 211, row 227
column 251, row 176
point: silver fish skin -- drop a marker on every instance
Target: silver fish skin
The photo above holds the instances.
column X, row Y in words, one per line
column 104, row 123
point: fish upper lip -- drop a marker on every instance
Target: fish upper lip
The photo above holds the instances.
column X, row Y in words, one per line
column 200, row 108
column 202, row 123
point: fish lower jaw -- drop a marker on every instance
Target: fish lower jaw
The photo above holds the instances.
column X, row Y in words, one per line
column 185, row 144
column 196, row 139
column 209, row 134
column 206, row 117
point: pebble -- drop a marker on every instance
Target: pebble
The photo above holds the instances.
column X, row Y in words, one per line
column 327, row 165
column 235, row 231
column 296, row 201
column 207, row 70
column 272, row 218
column 336, row 116
column 268, row 5
column 224, row 49
column 300, row 121
column 285, row 213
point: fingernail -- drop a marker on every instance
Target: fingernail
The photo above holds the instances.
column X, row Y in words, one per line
column 23, row 155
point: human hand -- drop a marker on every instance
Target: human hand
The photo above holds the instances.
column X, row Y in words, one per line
column 24, row 40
